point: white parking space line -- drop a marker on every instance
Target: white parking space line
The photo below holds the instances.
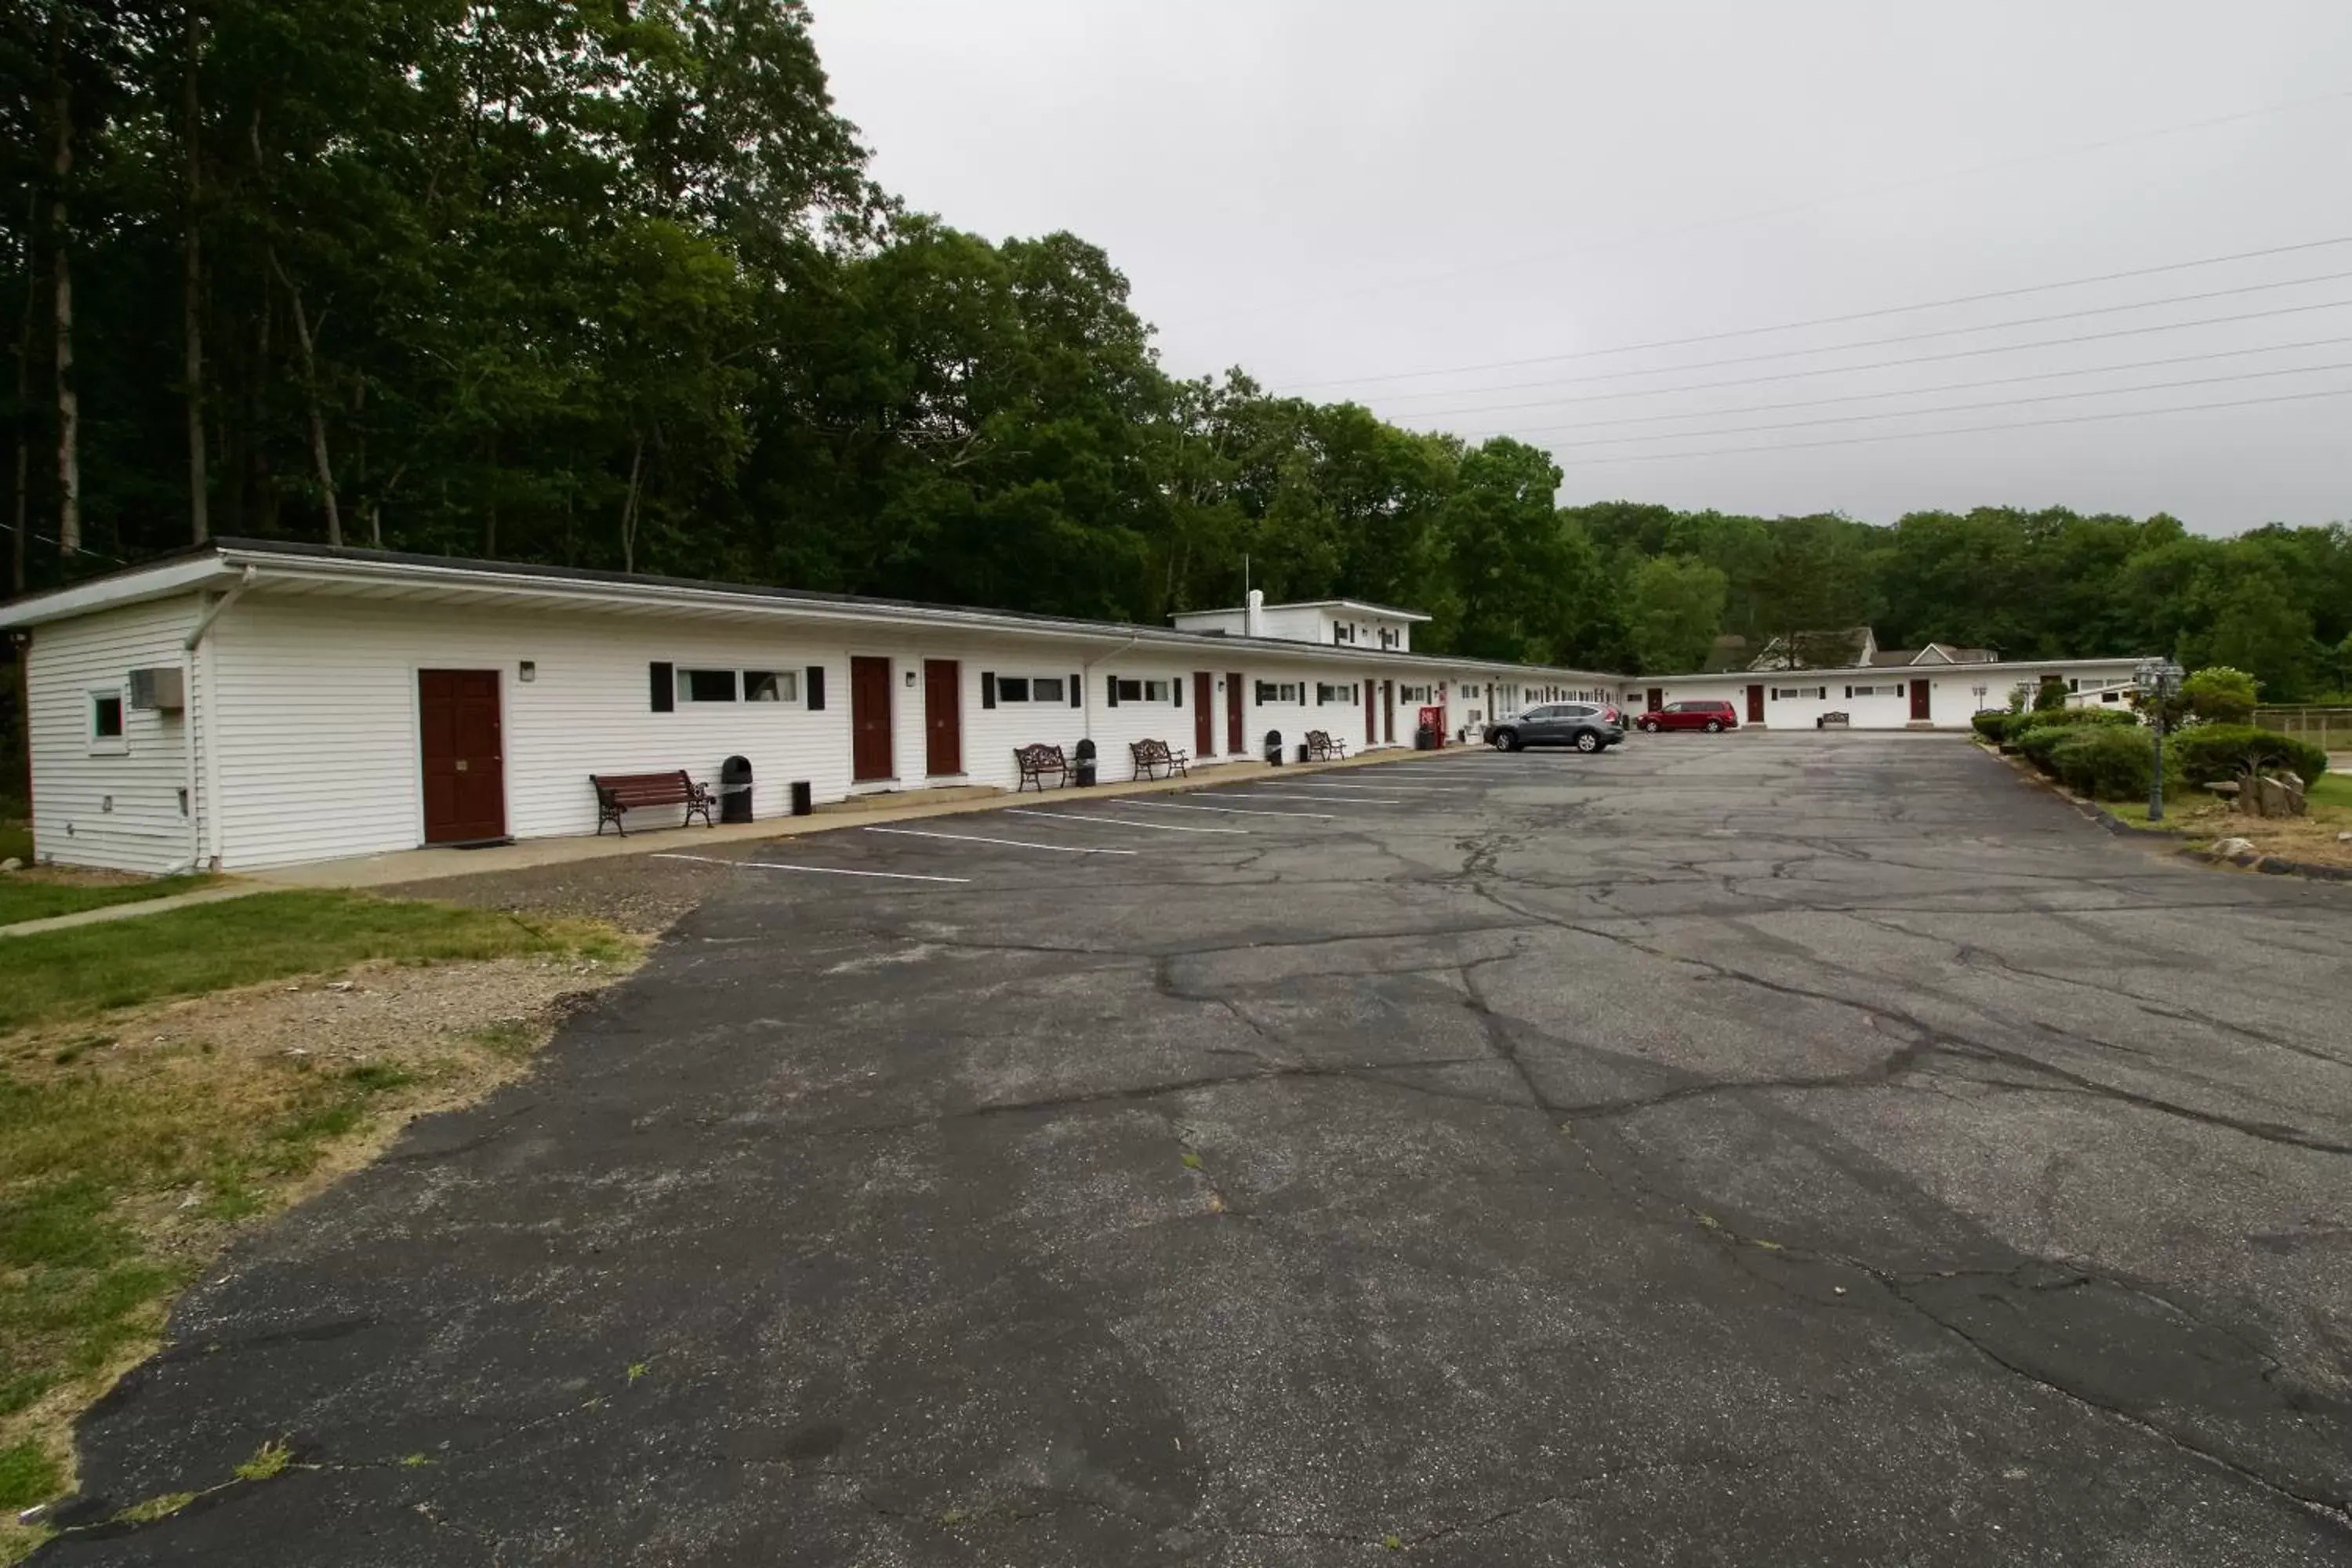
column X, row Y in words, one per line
column 1009, row 843
column 1116, row 821
column 1256, row 794
column 821, row 870
column 1227, row 810
column 1376, row 789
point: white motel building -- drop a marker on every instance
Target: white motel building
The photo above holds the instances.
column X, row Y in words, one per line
column 246, row 705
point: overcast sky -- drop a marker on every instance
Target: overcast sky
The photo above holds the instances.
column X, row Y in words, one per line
column 1338, row 194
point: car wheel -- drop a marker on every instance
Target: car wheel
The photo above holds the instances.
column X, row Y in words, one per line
column 1507, row 739
column 1715, row 726
column 1586, row 741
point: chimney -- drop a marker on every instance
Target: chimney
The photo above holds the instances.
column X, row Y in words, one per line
column 1254, row 617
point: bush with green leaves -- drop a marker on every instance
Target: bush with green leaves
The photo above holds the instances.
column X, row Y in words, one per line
column 1993, row 724
column 2051, row 697
column 2210, row 753
column 2220, row 695
column 2037, row 743
column 2105, row 762
column 2015, row 725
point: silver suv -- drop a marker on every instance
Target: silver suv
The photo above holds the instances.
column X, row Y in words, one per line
column 1587, row 726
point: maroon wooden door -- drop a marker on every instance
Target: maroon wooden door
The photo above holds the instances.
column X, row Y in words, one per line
column 1756, row 705
column 1388, row 711
column 464, row 749
column 1919, row 701
column 1204, row 714
column 1236, row 733
column 1371, row 716
column 942, row 717
column 870, row 720
column 1657, row 698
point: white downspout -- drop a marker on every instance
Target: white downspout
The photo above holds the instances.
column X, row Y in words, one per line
column 198, row 696
column 1087, row 680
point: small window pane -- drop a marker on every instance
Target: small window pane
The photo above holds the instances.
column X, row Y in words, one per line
column 105, row 718
column 1043, row 688
column 706, row 686
column 771, row 686
column 1131, row 691
column 1013, row 688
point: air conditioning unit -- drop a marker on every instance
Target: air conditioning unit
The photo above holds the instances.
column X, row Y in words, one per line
column 164, row 686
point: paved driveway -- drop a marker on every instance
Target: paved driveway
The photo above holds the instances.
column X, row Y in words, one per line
column 1762, row 1149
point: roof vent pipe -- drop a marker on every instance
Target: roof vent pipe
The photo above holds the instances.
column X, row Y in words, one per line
column 1254, row 617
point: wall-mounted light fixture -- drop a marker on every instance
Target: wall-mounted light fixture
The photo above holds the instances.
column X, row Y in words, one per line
column 910, row 680
column 527, row 672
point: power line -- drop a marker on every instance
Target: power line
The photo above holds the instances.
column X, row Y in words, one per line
column 1961, row 430
column 1923, row 391
column 1760, row 214
column 1847, row 369
column 1851, row 316
column 1948, row 409
column 1937, row 331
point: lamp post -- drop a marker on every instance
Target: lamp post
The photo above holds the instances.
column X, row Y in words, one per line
column 2157, row 679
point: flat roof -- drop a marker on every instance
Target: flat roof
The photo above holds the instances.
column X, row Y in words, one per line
column 220, row 563
column 1364, row 604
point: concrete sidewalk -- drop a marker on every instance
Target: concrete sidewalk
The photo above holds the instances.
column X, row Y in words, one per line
column 125, row 911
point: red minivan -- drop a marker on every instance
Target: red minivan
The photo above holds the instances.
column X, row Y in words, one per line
column 1712, row 716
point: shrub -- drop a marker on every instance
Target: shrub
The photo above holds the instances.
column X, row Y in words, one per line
column 2017, row 724
column 1993, row 724
column 2104, row 762
column 2038, row 743
column 2051, row 697
column 2207, row 753
column 2220, row 695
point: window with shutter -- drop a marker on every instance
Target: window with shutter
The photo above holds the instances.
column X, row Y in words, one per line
column 665, row 688
column 815, row 688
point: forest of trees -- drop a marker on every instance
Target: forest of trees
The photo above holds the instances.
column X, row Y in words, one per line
column 606, row 283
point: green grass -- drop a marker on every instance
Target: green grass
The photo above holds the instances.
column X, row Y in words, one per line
column 15, row 840
column 2329, row 789
column 23, row 898
column 58, row 976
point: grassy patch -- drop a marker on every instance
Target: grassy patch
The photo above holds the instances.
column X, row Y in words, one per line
column 2330, row 789
column 128, row 1156
column 25, row 896
column 15, row 838
column 269, row 1460
column 52, row 976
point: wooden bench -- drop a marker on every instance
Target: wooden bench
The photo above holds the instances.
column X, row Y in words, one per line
column 1154, row 759
column 617, row 793
column 1832, row 722
column 1035, row 763
column 1322, row 748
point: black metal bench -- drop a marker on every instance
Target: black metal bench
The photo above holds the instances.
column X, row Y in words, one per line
column 619, row 793
column 1036, row 762
column 1832, row 722
column 1322, row 748
column 1155, row 759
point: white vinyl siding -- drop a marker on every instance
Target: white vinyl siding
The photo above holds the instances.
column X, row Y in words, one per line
column 109, row 803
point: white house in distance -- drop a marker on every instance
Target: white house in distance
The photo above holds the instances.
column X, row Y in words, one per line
column 244, row 705
column 1793, row 684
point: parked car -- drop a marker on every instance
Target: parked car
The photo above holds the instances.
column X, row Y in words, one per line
column 1710, row 714
column 1587, row 726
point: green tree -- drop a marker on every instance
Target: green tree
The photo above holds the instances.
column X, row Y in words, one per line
column 1675, row 610
column 2220, row 695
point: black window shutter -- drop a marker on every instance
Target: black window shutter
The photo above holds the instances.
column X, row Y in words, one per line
column 817, row 689
column 1078, row 684
column 1177, row 688
column 664, row 691
column 987, row 688
column 1110, row 683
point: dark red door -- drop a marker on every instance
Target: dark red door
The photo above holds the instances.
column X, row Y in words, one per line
column 1756, row 705
column 1388, row 711
column 1657, row 698
column 464, row 747
column 1371, row 716
column 869, row 720
column 1236, row 735
column 1920, row 702
column 942, row 718
column 1204, row 714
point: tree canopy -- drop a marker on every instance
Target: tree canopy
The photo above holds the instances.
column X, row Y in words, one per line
column 607, row 283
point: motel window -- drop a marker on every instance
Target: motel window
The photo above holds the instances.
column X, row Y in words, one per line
column 1142, row 690
column 706, row 686
column 1045, row 689
column 771, row 686
column 1278, row 691
column 1013, row 688
column 106, row 720
column 1325, row 692
column 1799, row 693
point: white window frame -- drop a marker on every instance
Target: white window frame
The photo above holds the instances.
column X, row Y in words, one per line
column 787, row 680
column 681, row 687
column 117, row 745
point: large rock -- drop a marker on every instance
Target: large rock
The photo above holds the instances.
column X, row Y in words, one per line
column 2231, row 849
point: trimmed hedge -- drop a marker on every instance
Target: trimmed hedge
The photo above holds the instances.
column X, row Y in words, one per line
column 2104, row 762
column 1991, row 724
column 2015, row 725
column 2209, row 753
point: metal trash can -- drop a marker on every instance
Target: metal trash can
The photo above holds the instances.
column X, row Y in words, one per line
column 803, row 798
column 735, row 790
column 1303, row 752
column 1084, row 765
column 1424, row 739
column 1274, row 748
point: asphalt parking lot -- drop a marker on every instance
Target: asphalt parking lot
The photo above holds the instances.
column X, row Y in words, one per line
column 1754, row 1149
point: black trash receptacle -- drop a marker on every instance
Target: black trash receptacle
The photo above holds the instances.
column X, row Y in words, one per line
column 1083, row 765
column 804, row 799
column 1274, row 748
column 1303, row 752
column 735, row 790
column 1424, row 739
